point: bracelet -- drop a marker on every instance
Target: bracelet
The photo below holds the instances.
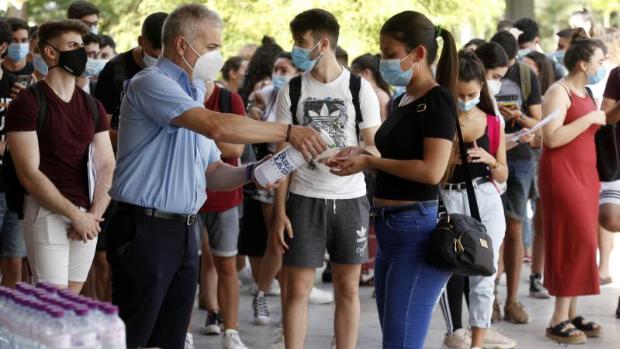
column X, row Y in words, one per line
column 249, row 171
column 288, row 132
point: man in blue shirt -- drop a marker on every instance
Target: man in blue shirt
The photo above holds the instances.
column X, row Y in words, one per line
column 165, row 148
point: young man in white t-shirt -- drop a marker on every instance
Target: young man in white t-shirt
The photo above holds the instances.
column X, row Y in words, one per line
column 316, row 210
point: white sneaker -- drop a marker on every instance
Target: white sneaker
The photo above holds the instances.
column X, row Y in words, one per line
column 318, row 296
column 189, row 341
column 232, row 340
column 278, row 339
column 459, row 339
column 495, row 340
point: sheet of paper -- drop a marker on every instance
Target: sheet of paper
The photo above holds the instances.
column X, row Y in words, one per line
column 513, row 137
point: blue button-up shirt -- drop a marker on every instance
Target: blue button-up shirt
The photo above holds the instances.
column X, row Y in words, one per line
column 160, row 165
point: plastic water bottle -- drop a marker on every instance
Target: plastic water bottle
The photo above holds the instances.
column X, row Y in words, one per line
column 4, row 316
column 112, row 330
column 285, row 162
column 54, row 331
column 84, row 335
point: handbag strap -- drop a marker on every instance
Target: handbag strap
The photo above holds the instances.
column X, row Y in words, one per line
column 471, row 194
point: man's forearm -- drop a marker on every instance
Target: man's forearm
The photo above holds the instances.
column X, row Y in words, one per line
column 101, row 199
column 47, row 195
column 226, row 178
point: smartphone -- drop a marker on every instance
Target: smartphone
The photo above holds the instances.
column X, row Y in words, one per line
column 25, row 80
column 509, row 105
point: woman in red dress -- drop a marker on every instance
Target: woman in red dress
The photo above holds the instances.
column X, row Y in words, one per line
column 569, row 187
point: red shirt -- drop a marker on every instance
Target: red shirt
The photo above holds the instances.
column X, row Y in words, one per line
column 220, row 201
column 64, row 139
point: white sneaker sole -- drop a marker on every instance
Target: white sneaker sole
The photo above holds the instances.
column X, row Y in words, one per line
column 498, row 346
column 262, row 321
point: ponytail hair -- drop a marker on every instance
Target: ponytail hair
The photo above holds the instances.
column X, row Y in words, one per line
column 581, row 48
column 414, row 29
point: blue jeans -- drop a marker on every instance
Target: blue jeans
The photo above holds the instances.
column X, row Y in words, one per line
column 407, row 286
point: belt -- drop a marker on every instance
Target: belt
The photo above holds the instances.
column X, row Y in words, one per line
column 463, row 186
column 188, row 219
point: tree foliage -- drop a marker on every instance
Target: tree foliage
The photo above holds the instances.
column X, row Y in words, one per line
column 246, row 21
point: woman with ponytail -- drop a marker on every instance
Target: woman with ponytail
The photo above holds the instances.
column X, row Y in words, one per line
column 484, row 136
column 569, row 188
column 415, row 144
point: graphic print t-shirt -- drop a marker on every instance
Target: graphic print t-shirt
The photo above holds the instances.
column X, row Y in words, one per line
column 329, row 107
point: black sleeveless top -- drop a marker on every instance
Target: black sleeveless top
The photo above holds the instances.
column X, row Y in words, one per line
column 475, row 169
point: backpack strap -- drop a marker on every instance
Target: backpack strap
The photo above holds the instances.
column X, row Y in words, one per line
column 294, row 92
column 39, row 96
column 225, row 106
column 355, row 85
column 493, row 131
column 525, row 78
column 589, row 91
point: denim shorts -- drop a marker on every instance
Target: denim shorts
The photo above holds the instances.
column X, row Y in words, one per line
column 11, row 235
column 520, row 183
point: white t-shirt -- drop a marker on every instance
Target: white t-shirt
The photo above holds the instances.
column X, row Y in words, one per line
column 329, row 107
column 269, row 95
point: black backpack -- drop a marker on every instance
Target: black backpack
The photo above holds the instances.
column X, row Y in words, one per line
column 355, row 84
column 14, row 189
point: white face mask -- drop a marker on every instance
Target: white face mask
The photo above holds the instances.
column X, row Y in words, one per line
column 148, row 60
column 494, row 86
column 207, row 66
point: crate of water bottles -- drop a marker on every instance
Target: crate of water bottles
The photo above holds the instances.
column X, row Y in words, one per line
column 45, row 317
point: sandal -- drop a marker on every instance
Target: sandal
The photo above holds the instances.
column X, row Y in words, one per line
column 566, row 333
column 590, row 329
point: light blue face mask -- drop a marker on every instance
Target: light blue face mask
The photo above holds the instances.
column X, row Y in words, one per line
column 39, row 64
column 558, row 56
column 301, row 57
column 392, row 74
column 522, row 53
column 279, row 80
column 469, row 105
column 18, row 52
column 94, row 29
column 600, row 74
column 94, row 67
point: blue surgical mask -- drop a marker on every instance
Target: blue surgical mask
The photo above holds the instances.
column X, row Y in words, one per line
column 469, row 105
column 18, row 52
column 301, row 57
column 600, row 74
column 558, row 56
column 94, row 29
column 522, row 53
column 279, row 80
column 392, row 74
column 148, row 60
column 39, row 64
column 94, row 67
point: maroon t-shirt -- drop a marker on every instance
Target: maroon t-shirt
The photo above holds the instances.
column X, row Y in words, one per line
column 220, row 201
column 612, row 89
column 64, row 139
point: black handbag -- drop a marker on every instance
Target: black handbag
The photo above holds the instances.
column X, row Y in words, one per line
column 460, row 243
column 607, row 155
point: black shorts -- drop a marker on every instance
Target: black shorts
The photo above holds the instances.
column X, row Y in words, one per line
column 253, row 233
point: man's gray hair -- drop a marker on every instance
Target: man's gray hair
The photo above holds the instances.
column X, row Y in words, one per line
column 184, row 21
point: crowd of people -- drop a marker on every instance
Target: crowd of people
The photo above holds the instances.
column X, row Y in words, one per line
column 129, row 177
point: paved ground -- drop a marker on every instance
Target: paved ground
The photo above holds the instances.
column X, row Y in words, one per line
column 599, row 308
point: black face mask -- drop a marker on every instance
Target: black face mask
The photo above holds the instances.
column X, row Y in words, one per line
column 72, row 61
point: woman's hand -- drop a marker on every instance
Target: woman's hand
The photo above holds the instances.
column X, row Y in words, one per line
column 479, row 155
column 348, row 166
column 597, row 117
column 344, row 154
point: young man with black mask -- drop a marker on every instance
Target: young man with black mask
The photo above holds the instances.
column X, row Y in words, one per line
column 55, row 160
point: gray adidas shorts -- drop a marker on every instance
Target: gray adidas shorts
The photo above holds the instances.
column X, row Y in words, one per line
column 223, row 230
column 340, row 226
